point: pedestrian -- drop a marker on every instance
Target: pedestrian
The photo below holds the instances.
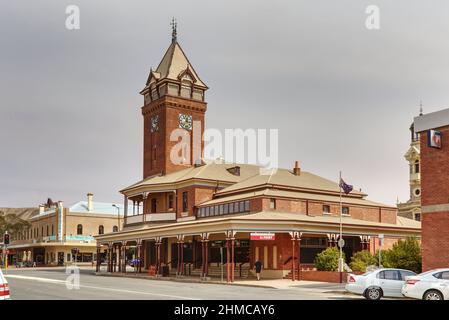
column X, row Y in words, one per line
column 258, row 266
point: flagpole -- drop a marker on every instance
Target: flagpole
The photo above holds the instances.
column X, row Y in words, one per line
column 340, row 264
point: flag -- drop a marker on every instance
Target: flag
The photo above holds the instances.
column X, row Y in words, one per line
column 346, row 187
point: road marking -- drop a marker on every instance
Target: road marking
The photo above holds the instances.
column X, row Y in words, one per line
column 100, row 288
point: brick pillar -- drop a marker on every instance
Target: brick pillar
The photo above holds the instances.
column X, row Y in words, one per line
column 158, row 257
column 178, row 265
column 293, row 259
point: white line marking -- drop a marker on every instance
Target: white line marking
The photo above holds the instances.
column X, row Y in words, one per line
column 100, row 288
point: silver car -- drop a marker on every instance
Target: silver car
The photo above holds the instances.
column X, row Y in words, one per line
column 373, row 285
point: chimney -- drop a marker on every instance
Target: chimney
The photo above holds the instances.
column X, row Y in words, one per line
column 90, row 204
column 41, row 209
column 296, row 169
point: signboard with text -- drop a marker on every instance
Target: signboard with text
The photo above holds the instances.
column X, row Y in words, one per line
column 263, row 236
column 434, row 139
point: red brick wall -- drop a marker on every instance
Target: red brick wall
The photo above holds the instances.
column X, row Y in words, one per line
column 323, row 276
column 168, row 109
column 435, row 191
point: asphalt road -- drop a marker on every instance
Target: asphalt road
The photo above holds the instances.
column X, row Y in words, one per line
column 51, row 284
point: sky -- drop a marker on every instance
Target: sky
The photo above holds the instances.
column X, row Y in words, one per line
column 342, row 96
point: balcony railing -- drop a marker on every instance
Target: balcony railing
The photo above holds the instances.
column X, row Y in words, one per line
column 151, row 217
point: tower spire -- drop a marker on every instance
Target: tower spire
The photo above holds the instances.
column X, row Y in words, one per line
column 174, row 26
column 420, row 108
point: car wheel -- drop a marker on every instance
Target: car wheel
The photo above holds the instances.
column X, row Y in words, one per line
column 373, row 294
column 433, row 295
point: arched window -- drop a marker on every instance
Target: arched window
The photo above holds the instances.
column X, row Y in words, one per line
column 417, row 166
column 47, row 231
column 114, row 229
column 100, row 230
column 52, row 230
column 79, row 229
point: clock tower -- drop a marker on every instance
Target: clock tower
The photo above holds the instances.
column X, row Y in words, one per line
column 173, row 114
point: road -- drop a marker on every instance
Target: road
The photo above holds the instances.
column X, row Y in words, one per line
column 51, row 284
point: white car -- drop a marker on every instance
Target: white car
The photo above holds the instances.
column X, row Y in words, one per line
column 373, row 285
column 4, row 287
column 430, row 285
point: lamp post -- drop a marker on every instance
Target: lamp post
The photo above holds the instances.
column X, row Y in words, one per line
column 118, row 215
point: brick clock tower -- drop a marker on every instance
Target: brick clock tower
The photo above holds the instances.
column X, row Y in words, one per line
column 173, row 114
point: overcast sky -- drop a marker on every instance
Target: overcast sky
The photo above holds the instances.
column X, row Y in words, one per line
column 342, row 96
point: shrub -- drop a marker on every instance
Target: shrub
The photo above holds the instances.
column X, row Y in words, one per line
column 362, row 259
column 327, row 260
column 405, row 254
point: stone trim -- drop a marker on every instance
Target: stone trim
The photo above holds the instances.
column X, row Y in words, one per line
column 435, row 208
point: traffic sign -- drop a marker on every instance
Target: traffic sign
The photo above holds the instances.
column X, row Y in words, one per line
column 341, row 243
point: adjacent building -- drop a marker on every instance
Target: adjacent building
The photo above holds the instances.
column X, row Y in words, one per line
column 55, row 230
column 412, row 208
column 433, row 129
column 199, row 213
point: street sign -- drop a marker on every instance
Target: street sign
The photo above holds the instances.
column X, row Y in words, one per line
column 262, row 236
column 381, row 239
column 341, row 243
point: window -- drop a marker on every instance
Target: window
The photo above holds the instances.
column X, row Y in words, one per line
column 247, row 205
column 52, row 230
column 273, row 204
column 170, row 201
column 345, row 210
column 79, row 229
column 231, row 208
column 185, row 204
column 47, row 231
column 226, row 208
column 389, row 275
column 42, row 231
column 153, row 205
column 417, row 192
column 242, row 206
column 326, row 209
column 100, row 230
column 114, row 229
column 418, row 216
column 406, row 274
column 417, row 166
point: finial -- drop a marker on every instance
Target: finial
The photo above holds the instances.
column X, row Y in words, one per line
column 174, row 33
column 420, row 107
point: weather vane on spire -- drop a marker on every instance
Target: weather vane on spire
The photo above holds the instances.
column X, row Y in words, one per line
column 174, row 33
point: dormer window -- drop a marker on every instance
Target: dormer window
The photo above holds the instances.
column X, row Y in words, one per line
column 234, row 170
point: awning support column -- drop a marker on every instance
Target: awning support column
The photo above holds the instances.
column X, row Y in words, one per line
column 98, row 258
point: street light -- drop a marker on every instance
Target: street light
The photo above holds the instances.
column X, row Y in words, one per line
column 118, row 215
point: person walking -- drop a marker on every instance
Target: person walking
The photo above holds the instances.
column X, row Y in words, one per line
column 258, row 266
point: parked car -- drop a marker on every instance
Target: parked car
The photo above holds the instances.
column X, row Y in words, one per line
column 430, row 285
column 4, row 287
column 373, row 285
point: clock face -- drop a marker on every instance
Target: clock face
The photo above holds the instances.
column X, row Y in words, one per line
column 155, row 123
column 185, row 121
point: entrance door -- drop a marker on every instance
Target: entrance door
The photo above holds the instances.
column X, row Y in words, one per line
column 60, row 258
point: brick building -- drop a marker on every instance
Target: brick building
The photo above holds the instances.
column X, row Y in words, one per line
column 434, row 132
column 199, row 212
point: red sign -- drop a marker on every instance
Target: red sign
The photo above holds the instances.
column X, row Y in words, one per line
column 262, row 236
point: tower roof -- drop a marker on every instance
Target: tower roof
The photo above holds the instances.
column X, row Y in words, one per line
column 174, row 65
